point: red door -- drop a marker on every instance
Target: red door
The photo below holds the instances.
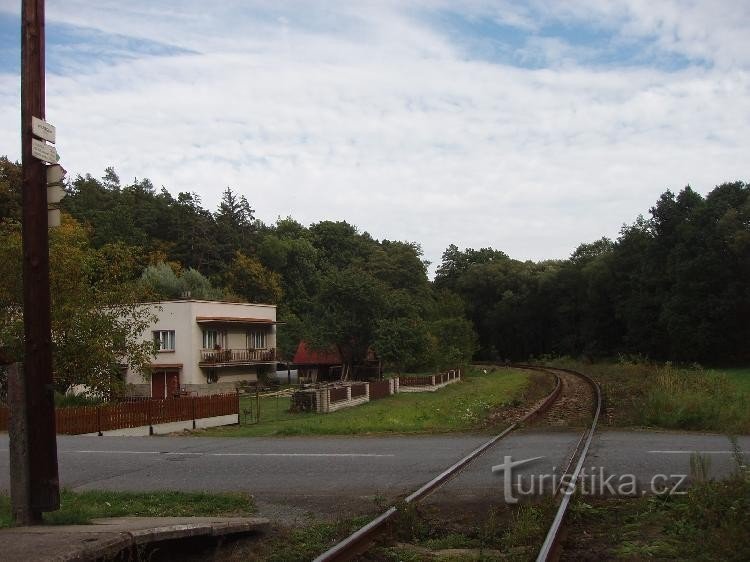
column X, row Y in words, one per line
column 173, row 384
column 158, row 384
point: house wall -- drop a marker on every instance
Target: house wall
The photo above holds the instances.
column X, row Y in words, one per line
column 180, row 316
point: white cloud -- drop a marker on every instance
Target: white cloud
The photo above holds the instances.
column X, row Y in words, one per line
column 383, row 123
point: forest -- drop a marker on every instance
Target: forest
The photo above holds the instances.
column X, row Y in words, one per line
column 672, row 286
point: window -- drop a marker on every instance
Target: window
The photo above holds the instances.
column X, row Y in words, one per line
column 164, row 340
column 256, row 340
column 212, row 339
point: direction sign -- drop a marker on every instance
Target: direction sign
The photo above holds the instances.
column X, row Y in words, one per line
column 44, row 151
column 42, row 129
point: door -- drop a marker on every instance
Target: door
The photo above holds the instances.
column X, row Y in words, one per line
column 173, row 384
column 158, row 384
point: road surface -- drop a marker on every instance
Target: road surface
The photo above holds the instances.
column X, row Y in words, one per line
column 291, row 477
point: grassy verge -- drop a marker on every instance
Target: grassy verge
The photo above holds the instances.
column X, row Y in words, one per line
column 652, row 395
column 709, row 523
column 461, row 406
column 497, row 533
column 79, row 508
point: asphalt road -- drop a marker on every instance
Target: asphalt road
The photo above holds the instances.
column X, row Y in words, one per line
column 293, row 476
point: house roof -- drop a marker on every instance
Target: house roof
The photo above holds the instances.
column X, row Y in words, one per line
column 307, row 356
column 233, row 320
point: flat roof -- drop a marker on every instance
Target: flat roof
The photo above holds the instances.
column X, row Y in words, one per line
column 210, row 302
column 233, row 320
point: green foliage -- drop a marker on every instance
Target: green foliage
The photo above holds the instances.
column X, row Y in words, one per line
column 10, row 190
column 249, row 279
column 346, row 310
column 96, row 322
column 76, row 400
column 160, row 282
column 639, row 393
column 402, row 342
column 672, row 286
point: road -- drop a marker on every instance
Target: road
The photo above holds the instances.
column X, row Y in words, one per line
column 293, row 476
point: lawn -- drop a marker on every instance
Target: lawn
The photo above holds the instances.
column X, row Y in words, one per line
column 457, row 407
column 79, row 508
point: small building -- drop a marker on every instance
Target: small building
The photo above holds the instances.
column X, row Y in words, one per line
column 319, row 366
column 315, row 366
column 206, row 347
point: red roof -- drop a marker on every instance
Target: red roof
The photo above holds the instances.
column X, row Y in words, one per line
column 307, row 356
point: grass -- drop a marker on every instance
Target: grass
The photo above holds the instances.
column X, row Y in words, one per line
column 79, row 508
column 652, row 395
column 709, row 523
column 293, row 545
column 495, row 533
column 460, row 406
column 739, row 377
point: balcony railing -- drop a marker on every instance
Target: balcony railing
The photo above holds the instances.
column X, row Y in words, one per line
column 236, row 356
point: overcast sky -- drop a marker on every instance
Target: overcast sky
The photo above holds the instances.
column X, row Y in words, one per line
column 528, row 127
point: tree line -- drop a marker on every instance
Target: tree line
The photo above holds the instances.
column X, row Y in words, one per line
column 673, row 285
column 335, row 287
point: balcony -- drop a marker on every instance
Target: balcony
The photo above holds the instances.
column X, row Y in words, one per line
column 235, row 357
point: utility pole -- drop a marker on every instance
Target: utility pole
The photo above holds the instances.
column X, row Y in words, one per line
column 34, row 451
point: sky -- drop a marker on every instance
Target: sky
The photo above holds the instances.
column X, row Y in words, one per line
column 529, row 127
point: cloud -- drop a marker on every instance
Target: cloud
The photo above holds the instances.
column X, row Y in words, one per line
column 378, row 116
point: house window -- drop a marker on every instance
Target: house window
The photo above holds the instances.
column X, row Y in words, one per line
column 212, row 339
column 256, row 339
column 164, row 340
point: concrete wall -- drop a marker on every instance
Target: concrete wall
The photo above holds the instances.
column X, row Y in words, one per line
column 172, row 427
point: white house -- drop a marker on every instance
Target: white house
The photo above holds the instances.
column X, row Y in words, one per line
column 206, row 347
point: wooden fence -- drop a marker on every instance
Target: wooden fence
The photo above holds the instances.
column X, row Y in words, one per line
column 430, row 380
column 358, row 390
column 338, row 393
column 95, row 419
column 416, row 381
column 380, row 389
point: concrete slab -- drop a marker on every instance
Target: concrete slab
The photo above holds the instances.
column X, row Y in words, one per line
column 106, row 538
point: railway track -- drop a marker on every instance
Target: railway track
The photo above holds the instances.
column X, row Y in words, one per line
column 574, row 397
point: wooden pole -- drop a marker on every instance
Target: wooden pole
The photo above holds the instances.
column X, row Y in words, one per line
column 39, row 393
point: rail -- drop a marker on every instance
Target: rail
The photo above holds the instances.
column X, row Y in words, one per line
column 551, row 541
column 358, row 541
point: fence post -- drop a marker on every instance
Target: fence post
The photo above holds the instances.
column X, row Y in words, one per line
column 433, row 380
column 99, row 420
column 150, row 425
column 192, row 409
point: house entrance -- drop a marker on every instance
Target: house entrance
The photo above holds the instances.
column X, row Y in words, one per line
column 165, row 384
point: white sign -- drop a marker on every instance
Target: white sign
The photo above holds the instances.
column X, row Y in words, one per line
column 43, row 151
column 42, row 129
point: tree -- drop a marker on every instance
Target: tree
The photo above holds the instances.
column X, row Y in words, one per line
column 452, row 342
column 402, row 342
column 162, row 282
column 10, row 189
column 249, row 279
column 96, row 320
column 345, row 313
